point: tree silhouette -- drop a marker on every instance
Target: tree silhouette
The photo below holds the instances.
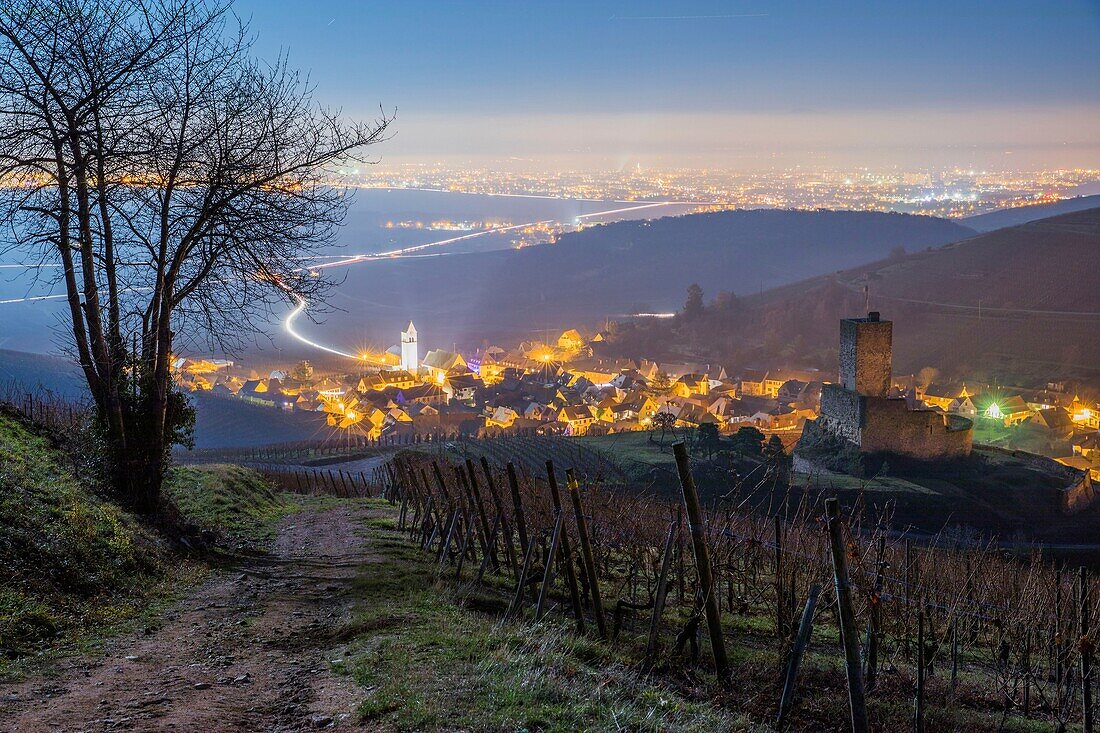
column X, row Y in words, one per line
column 666, row 423
column 180, row 183
column 748, row 441
column 660, row 383
column 708, row 438
column 774, row 448
column 302, row 371
column 693, row 306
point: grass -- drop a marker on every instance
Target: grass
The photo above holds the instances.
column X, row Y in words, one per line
column 433, row 656
column 70, row 560
column 637, row 448
column 232, row 502
column 76, row 569
column 429, row 661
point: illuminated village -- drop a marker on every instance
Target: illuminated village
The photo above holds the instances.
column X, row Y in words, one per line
column 565, row 387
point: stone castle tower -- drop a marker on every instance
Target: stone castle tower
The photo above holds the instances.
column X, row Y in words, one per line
column 410, row 357
column 860, row 410
column 867, row 355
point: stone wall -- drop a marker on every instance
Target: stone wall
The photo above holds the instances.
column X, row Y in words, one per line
column 883, row 424
column 858, row 410
column 889, row 425
column 1080, row 496
column 840, row 411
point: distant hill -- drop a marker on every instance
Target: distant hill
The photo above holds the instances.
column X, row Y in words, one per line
column 616, row 269
column 1014, row 304
column 1023, row 214
column 232, row 423
column 219, row 423
column 33, row 372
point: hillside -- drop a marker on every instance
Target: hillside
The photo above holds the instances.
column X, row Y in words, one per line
column 614, row 269
column 32, row 372
column 218, row 423
column 70, row 559
column 1018, row 303
column 76, row 568
column 232, row 423
column 359, row 614
column 1023, row 214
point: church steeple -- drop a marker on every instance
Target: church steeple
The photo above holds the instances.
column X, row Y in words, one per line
column 410, row 357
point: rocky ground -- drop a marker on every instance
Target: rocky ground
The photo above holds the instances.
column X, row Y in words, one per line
column 251, row 650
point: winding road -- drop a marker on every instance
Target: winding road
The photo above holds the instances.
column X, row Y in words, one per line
column 417, row 250
column 301, row 305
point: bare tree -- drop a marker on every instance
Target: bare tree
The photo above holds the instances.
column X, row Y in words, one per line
column 182, row 183
column 665, row 422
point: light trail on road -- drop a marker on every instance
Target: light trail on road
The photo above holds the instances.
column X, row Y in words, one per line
column 623, row 210
column 345, row 260
column 405, row 251
column 412, row 251
column 288, row 322
column 288, row 325
column 30, row 299
column 58, row 296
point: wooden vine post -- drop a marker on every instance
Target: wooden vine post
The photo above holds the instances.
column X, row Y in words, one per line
column 802, row 640
column 908, row 596
column 777, row 551
column 566, row 552
column 848, row 634
column 548, row 571
column 1086, row 651
column 874, row 633
column 702, row 559
column 659, row 599
column 505, row 527
column 586, row 551
column 918, row 707
column 517, row 508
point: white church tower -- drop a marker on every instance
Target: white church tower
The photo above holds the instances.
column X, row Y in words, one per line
column 410, row 360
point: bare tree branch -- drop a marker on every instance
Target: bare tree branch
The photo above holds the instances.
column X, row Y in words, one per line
column 182, row 183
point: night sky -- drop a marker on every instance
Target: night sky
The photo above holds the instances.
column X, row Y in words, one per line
column 706, row 82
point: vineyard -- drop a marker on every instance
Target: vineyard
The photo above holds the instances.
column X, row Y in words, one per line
column 317, row 482
column 812, row 618
column 529, row 455
column 337, row 447
column 56, row 412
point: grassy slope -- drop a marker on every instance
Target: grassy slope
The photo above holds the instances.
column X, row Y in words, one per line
column 232, row 502
column 75, row 568
column 429, row 663
column 432, row 657
column 71, row 561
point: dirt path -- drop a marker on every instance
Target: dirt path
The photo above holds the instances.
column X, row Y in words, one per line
column 250, row 650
